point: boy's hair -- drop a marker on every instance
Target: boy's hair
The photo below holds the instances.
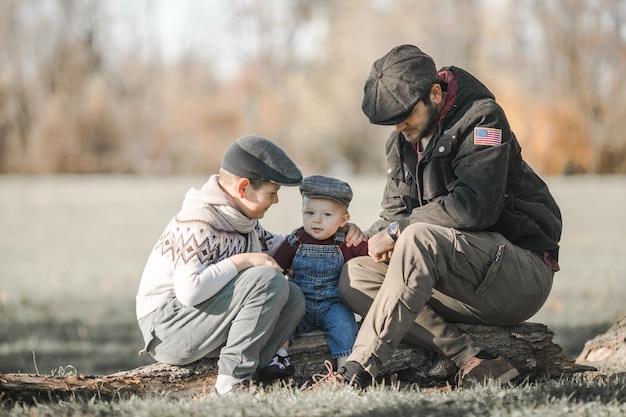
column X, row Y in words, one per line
column 229, row 178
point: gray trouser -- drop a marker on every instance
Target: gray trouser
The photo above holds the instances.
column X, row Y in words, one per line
column 243, row 324
column 437, row 276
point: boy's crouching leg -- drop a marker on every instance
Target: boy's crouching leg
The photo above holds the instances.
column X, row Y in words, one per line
column 263, row 294
column 279, row 318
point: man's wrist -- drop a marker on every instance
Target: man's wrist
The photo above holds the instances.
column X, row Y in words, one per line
column 393, row 229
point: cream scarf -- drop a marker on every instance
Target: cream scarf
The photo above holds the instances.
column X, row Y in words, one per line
column 211, row 193
column 243, row 225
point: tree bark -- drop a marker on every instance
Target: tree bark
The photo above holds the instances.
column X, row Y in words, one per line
column 607, row 351
column 528, row 346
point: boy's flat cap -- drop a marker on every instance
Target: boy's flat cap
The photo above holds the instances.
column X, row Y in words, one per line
column 257, row 158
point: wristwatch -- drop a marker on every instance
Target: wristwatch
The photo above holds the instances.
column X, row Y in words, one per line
column 393, row 229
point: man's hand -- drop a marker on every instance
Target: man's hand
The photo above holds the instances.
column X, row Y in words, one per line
column 380, row 246
column 354, row 236
column 248, row 260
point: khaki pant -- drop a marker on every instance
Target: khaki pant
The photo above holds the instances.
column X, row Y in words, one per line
column 438, row 276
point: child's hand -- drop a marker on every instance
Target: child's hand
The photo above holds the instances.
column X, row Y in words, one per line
column 248, row 260
column 354, row 236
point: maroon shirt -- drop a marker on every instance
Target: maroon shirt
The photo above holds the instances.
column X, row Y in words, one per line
column 285, row 253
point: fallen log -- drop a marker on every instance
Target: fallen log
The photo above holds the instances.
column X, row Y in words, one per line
column 528, row 346
column 607, row 351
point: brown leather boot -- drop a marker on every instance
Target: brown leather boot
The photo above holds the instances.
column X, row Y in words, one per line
column 481, row 371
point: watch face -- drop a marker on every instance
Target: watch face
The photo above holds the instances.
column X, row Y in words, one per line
column 392, row 229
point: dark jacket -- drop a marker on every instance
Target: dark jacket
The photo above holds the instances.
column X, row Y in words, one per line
column 470, row 187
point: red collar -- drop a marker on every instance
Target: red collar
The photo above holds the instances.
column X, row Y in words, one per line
column 449, row 78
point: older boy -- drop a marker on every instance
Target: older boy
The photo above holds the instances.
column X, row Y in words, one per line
column 210, row 287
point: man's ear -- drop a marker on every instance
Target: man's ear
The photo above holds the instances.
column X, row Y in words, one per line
column 242, row 186
column 436, row 94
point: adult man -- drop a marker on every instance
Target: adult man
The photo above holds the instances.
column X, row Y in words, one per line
column 469, row 231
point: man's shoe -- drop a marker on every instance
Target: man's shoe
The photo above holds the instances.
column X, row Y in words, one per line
column 332, row 379
column 480, row 371
column 352, row 373
column 280, row 367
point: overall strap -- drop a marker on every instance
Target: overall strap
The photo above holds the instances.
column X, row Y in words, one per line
column 293, row 239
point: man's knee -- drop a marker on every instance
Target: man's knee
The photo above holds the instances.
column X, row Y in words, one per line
column 423, row 231
column 351, row 273
column 359, row 282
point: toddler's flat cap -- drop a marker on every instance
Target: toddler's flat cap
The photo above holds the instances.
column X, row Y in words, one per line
column 320, row 186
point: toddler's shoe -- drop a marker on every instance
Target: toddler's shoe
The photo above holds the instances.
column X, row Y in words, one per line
column 280, row 367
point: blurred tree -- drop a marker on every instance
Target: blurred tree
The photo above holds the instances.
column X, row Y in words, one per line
column 273, row 80
column 52, row 61
column 71, row 100
column 15, row 110
column 585, row 54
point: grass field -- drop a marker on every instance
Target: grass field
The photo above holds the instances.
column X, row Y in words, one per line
column 546, row 399
column 72, row 249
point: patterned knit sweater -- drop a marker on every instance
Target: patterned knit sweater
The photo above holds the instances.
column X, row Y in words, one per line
column 190, row 259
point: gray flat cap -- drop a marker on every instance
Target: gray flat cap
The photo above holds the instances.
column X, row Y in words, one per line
column 320, row 186
column 257, row 158
column 396, row 83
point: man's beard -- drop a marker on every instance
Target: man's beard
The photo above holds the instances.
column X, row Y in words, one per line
column 431, row 122
column 432, row 114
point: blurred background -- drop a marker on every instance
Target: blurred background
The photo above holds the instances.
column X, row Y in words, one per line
column 156, row 86
column 111, row 110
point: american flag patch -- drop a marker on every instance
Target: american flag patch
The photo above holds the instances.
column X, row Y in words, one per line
column 487, row 136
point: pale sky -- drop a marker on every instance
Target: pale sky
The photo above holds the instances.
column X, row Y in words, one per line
column 172, row 27
column 205, row 27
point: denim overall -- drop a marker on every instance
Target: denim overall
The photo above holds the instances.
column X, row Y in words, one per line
column 316, row 269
